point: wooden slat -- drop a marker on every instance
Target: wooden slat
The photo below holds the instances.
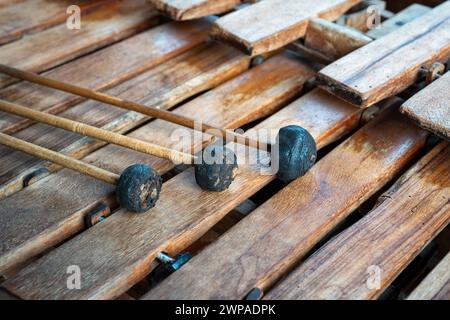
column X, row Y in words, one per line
column 269, row 25
column 430, row 108
column 129, row 58
column 193, row 9
column 163, row 86
column 436, row 285
column 51, row 47
column 184, row 213
column 36, row 15
column 277, row 81
column 333, row 40
column 390, row 64
column 265, row 245
column 403, row 17
column 383, row 243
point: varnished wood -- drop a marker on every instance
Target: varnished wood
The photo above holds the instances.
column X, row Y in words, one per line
column 430, row 108
column 267, row 244
column 58, row 158
column 271, row 24
column 51, row 47
column 129, row 58
column 390, row 64
column 230, row 105
column 193, row 9
column 151, row 111
column 385, row 240
column 94, row 132
column 403, row 17
column 436, row 285
column 333, row 40
column 164, row 86
column 17, row 20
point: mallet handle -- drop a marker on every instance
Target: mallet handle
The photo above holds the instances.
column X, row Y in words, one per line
column 58, row 158
column 96, row 133
column 130, row 105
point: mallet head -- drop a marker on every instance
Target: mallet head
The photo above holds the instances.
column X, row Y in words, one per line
column 138, row 188
column 218, row 168
column 297, row 152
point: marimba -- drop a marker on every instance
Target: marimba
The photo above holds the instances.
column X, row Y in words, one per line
column 354, row 204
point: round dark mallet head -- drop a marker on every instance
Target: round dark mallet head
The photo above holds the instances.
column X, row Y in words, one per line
column 297, row 152
column 138, row 188
column 218, row 168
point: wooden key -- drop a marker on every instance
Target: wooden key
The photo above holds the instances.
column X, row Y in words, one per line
column 430, row 108
column 365, row 258
column 392, row 63
column 138, row 187
column 271, row 24
column 193, row 9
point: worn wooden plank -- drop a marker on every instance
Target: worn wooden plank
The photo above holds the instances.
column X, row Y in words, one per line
column 36, row 15
column 390, row 64
column 129, row 58
column 436, row 285
column 364, row 259
column 430, row 108
column 51, row 47
column 231, row 105
column 193, row 9
column 163, row 86
column 269, row 25
column 169, row 228
column 333, row 40
column 268, row 243
column 403, row 17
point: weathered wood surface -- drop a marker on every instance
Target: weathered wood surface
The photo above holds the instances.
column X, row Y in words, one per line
column 436, row 285
column 164, row 86
column 266, row 244
column 430, row 108
column 129, row 58
column 6, row 3
column 403, row 17
column 271, row 24
column 130, row 242
column 390, row 64
column 193, row 9
column 385, row 240
column 333, row 40
column 32, row 16
column 51, row 47
column 230, row 105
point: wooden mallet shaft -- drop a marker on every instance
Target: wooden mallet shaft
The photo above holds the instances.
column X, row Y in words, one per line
column 133, row 106
column 137, row 188
column 97, row 133
column 58, row 158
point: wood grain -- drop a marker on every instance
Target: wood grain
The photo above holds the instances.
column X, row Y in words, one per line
column 32, row 16
column 436, row 285
column 333, row 40
column 390, row 64
column 169, row 228
column 193, row 9
column 129, row 57
column 387, row 239
column 164, row 86
column 430, row 108
column 277, row 80
column 266, row 244
column 51, row 47
column 403, row 17
column 271, row 24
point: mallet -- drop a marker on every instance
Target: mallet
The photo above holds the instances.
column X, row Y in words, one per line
column 216, row 176
column 137, row 188
column 297, row 147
